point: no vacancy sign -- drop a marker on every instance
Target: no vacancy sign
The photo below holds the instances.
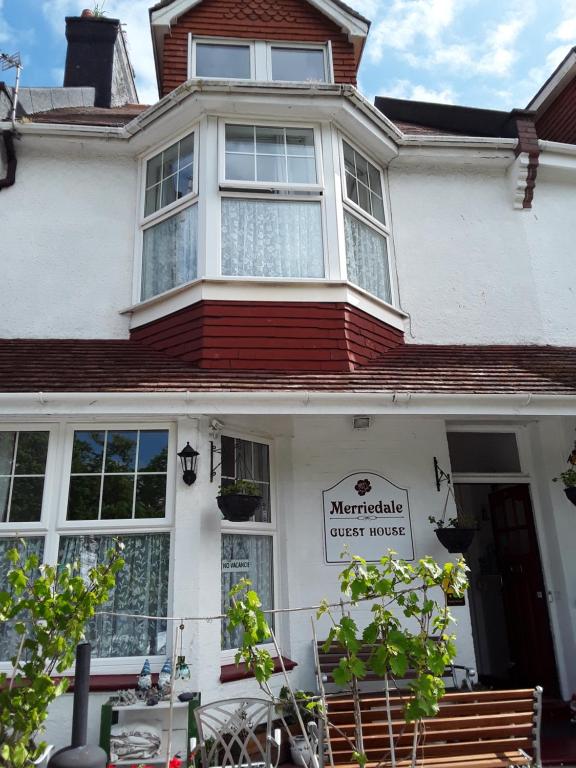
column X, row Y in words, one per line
column 366, row 514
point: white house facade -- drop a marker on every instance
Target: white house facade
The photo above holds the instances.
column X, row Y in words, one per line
column 248, row 266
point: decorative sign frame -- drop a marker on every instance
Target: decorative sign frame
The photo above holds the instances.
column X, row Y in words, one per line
column 366, row 514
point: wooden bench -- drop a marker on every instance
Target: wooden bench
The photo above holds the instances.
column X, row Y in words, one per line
column 474, row 729
column 327, row 660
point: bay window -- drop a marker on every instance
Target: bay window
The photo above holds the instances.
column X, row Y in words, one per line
column 265, row 236
column 247, row 549
column 365, row 227
column 170, row 223
column 116, row 487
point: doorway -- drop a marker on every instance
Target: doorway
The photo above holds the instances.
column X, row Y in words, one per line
column 508, row 599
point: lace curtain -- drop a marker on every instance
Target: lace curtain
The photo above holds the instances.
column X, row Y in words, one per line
column 169, row 256
column 367, row 258
column 141, row 587
column 271, row 239
column 249, row 557
column 9, row 639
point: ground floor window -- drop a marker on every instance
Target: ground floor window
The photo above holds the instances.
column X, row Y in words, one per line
column 246, row 557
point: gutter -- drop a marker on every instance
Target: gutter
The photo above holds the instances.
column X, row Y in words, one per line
column 385, row 403
column 11, row 160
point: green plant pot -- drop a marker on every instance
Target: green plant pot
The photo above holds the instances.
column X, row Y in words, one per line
column 237, row 507
column 455, row 539
column 571, row 493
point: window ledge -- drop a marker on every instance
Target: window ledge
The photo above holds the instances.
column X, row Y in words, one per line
column 108, row 683
column 231, row 672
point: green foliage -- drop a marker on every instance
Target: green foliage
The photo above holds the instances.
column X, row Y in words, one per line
column 568, row 477
column 241, row 487
column 245, row 611
column 439, row 522
column 399, row 589
column 48, row 607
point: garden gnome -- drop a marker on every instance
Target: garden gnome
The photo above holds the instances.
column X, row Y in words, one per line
column 165, row 677
column 145, row 678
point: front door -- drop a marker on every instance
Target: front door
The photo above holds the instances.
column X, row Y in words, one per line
column 532, row 659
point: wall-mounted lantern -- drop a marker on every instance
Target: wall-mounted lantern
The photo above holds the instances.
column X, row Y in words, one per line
column 189, row 458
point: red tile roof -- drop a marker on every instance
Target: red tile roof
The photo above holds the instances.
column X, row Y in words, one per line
column 126, row 366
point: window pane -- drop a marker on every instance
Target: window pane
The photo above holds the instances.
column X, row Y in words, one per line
column 153, row 451
column 5, row 483
column 377, row 208
column 7, row 445
column 240, row 167
column 84, row 498
column 271, row 168
column 9, row 640
column 150, row 496
column 300, row 141
column 270, row 141
column 121, row 451
column 484, row 452
column 117, row 497
column 246, row 557
column 170, row 253
column 88, row 451
column 26, row 505
column 240, row 138
column 298, row 64
column 301, row 170
column 367, row 258
column 169, row 175
column 222, row 60
column 363, row 183
column 248, row 460
column 271, row 239
column 141, row 587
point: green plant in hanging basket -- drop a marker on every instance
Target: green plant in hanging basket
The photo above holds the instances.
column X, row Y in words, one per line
column 239, row 488
column 568, row 477
column 239, row 501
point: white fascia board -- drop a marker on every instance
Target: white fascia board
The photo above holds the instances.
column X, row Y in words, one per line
column 165, row 17
column 384, row 403
column 557, row 162
column 465, row 152
column 565, row 72
column 68, row 131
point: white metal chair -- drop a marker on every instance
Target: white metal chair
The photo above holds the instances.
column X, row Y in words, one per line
column 237, row 733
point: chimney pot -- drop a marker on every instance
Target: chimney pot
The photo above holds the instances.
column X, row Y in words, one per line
column 86, row 13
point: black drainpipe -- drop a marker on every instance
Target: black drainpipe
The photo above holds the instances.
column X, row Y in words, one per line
column 11, row 161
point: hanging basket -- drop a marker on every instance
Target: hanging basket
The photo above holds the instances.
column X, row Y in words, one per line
column 455, row 539
column 238, row 507
column 570, row 492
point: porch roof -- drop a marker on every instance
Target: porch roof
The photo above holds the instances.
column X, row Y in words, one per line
column 71, row 365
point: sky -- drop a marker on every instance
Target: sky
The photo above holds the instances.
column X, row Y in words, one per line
column 482, row 53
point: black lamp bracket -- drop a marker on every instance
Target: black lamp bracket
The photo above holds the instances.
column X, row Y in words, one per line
column 441, row 476
column 214, row 467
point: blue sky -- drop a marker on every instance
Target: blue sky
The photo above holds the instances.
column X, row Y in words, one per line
column 487, row 53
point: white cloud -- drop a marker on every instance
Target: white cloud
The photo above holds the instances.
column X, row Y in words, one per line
column 134, row 16
column 404, row 89
column 407, row 21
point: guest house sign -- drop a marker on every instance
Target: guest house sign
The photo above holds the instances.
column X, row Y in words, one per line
column 366, row 515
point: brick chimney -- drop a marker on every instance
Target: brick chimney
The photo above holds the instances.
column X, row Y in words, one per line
column 97, row 57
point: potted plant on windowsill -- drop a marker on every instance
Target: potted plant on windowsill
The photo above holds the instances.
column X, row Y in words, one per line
column 454, row 534
column 239, row 501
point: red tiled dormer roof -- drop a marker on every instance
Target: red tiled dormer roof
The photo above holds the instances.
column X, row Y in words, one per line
column 126, row 366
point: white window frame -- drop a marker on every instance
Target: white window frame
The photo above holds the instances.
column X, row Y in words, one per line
column 53, row 523
column 261, row 190
column 194, row 39
column 260, row 57
column 146, row 222
column 384, row 230
column 257, row 529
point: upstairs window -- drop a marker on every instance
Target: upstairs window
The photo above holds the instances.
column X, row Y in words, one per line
column 169, row 248
column 221, row 60
column 365, row 228
column 259, row 60
column 22, row 469
column 265, row 236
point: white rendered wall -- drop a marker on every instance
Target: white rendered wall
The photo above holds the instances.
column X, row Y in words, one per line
column 472, row 269
column 310, row 454
column 67, row 232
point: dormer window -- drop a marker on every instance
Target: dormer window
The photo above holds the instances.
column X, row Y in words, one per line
column 259, row 60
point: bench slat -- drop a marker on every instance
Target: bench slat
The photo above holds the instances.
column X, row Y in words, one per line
column 502, row 760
